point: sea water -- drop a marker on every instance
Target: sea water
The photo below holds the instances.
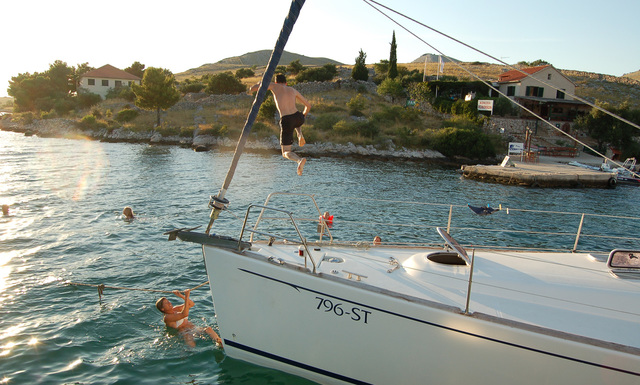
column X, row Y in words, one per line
column 66, row 197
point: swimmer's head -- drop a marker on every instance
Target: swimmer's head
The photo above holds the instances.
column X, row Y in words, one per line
column 160, row 304
column 128, row 212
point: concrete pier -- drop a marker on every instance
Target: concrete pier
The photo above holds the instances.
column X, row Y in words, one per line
column 547, row 172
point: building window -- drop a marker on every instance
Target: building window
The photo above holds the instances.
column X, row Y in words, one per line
column 534, row 91
column 130, row 82
column 105, row 82
column 559, row 94
column 548, row 76
column 91, row 82
column 511, row 91
column 118, row 83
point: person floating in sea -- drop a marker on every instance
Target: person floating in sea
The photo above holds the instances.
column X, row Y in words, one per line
column 5, row 210
column 128, row 213
column 290, row 118
column 377, row 240
column 177, row 317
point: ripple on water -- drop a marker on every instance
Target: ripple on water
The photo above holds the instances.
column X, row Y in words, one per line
column 66, row 199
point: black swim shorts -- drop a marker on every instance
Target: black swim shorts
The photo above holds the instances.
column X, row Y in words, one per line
column 287, row 125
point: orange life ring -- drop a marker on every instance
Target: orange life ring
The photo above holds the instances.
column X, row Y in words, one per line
column 328, row 219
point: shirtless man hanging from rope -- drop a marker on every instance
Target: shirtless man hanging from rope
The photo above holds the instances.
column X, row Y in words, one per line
column 290, row 118
column 177, row 317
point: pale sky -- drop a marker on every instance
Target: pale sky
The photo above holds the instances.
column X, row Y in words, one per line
column 587, row 35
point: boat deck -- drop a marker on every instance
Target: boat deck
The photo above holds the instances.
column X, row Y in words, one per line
column 571, row 293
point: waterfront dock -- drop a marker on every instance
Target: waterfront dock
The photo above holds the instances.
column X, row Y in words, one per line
column 546, row 172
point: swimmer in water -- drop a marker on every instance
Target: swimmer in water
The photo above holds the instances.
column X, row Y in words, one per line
column 177, row 317
column 128, row 213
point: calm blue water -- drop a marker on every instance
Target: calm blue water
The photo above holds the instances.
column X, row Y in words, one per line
column 66, row 197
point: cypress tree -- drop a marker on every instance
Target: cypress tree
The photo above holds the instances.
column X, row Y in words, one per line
column 393, row 58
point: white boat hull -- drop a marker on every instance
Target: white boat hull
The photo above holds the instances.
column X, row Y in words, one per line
column 337, row 331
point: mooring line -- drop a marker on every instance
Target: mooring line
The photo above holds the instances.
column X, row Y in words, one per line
column 101, row 288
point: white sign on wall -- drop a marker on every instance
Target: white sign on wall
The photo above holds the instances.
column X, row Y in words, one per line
column 485, row 105
column 515, row 148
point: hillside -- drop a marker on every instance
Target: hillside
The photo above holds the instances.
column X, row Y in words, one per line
column 433, row 58
column 258, row 59
column 633, row 75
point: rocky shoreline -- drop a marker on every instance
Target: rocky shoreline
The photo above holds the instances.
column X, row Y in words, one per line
column 66, row 128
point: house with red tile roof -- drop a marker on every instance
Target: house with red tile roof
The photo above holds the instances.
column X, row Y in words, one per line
column 101, row 80
column 543, row 90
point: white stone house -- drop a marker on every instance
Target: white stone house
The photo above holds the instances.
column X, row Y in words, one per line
column 101, row 80
column 548, row 102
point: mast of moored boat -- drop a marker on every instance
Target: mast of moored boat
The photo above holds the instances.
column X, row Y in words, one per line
column 218, row 202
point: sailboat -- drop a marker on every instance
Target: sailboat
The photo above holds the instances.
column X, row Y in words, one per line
column 295, row 297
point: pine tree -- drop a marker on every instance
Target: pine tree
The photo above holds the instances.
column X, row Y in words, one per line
column 158, row 90
column 360, row 71
column 393, row 58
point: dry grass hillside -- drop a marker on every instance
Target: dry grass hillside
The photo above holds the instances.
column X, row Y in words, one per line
column 633, row 75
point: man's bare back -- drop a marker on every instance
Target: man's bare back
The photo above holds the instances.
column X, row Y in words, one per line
column 286, row 98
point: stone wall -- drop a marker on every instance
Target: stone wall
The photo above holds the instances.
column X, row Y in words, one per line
column 515, row 128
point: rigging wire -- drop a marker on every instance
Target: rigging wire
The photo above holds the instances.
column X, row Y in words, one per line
column 489, row 56
column 369, row 2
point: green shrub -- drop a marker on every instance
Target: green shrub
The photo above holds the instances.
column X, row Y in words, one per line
column 244, row 73
column 321, row 108
column 393, row 114
column 470, row 143
column 187, row 132
column 405, row 136
column 216, row 130
column 392, row 87
column 320, row 74
column 365, row 128
column 262, row 130
column 88, row 99
column 44, row 104
column 168, row 131
column 343, row 128
column 356, row 105
column 311, row 135
column 295, row 67
column 325, row 122
column 122, row 92
column 504, row 107
column 88, row 121
column 25, row 118
column 47, row 114
column 126, row 115
column 224, row 83
column 268, row 109
column 192, row 87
